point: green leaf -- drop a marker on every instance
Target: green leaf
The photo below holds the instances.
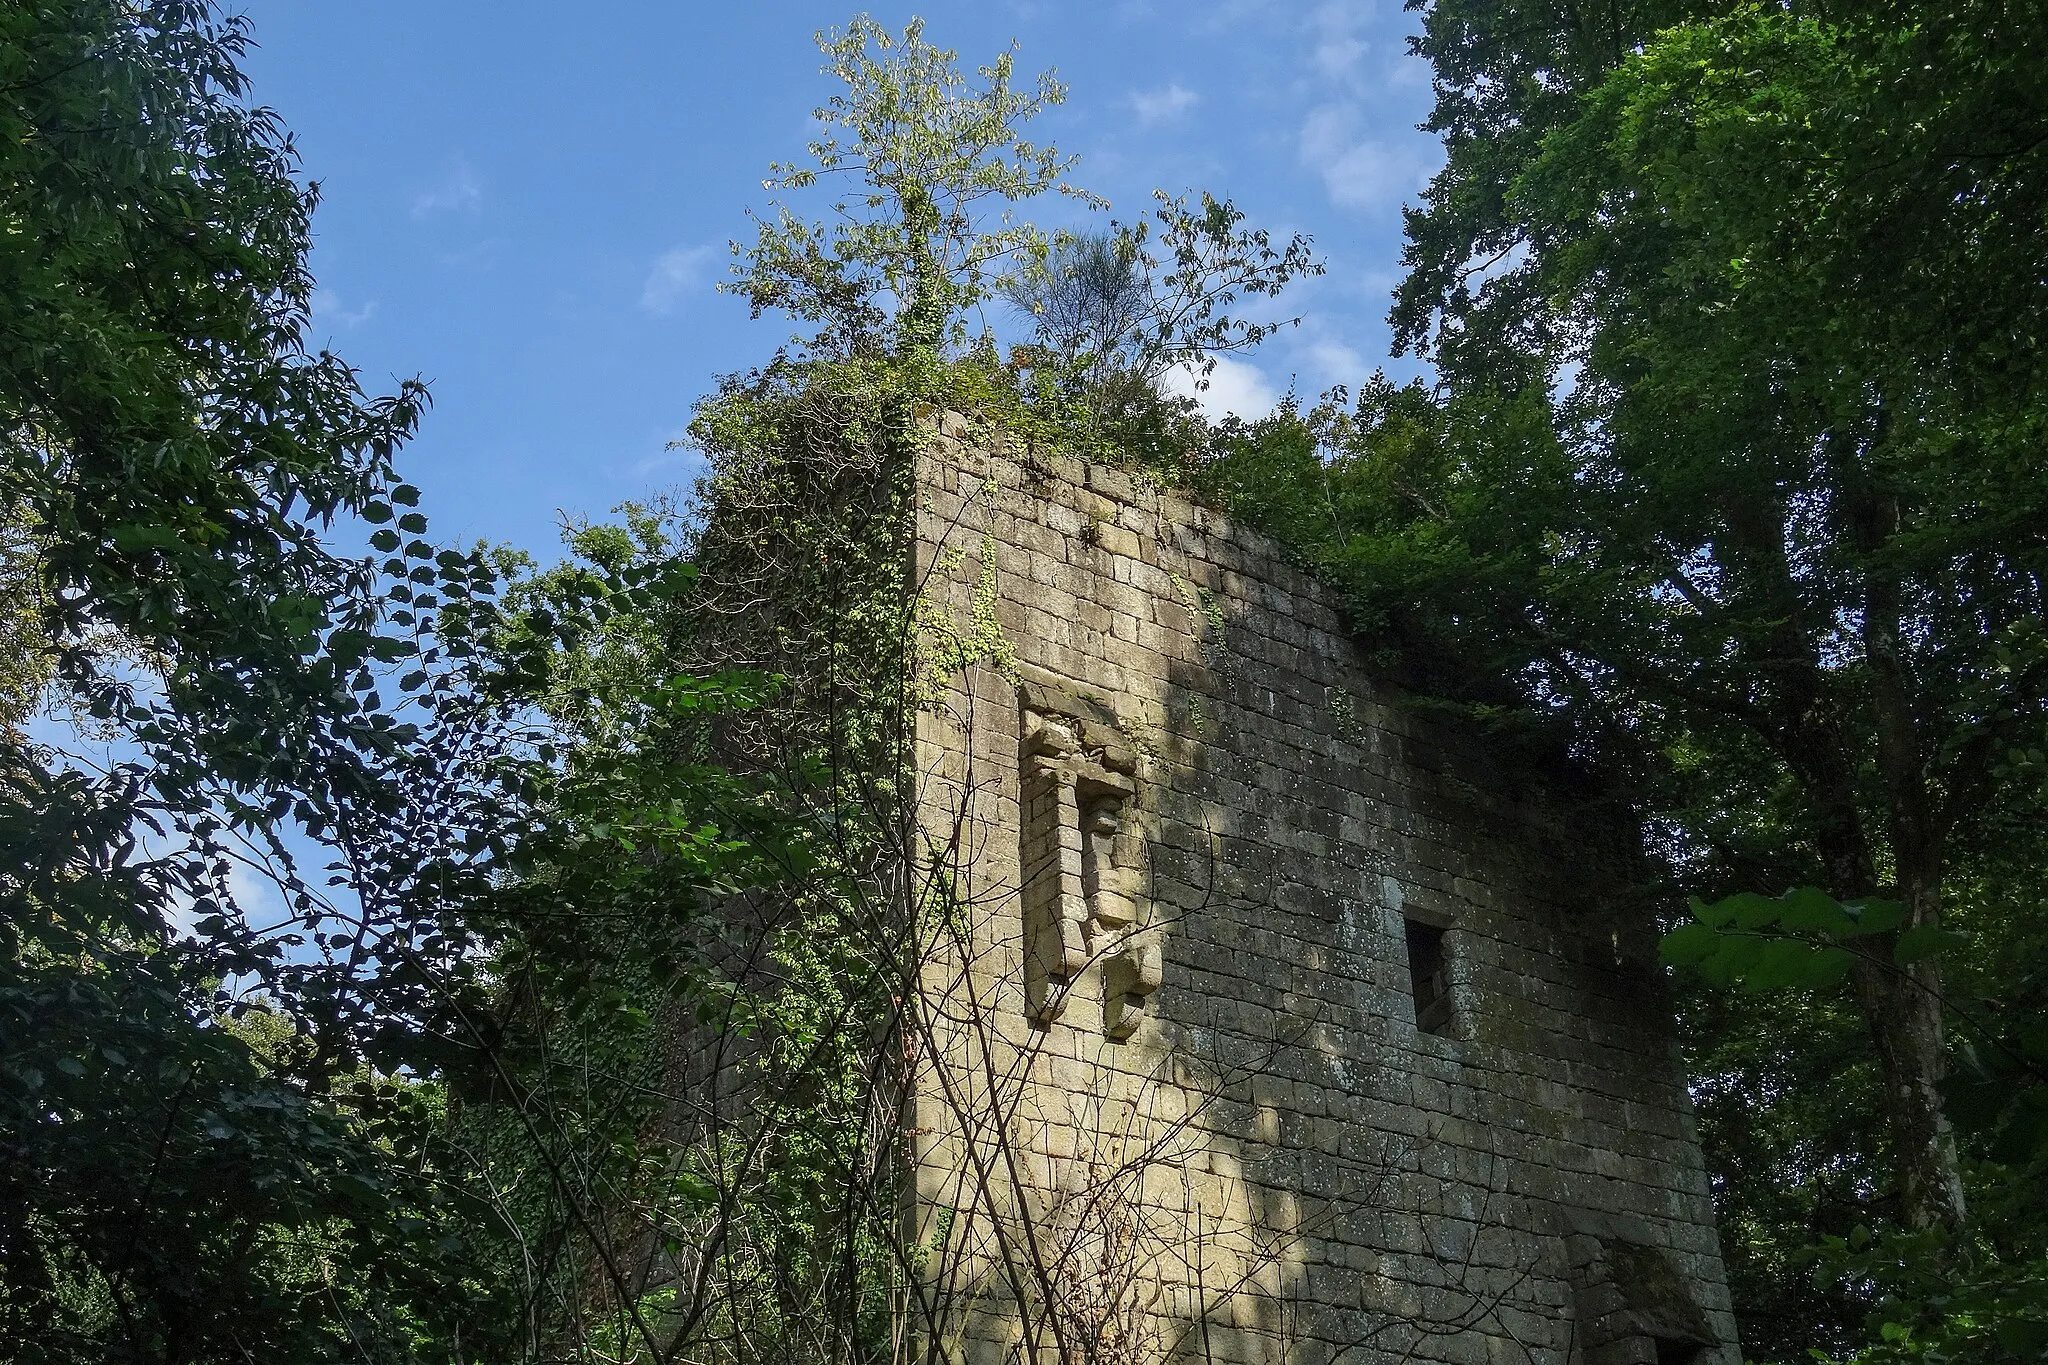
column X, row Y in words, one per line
column 1714, row 914
column 1753, row 911
column 1689, row 944
column 130, row 539
column 1874, row 916
column 1806, row 908
column 1733, row 957
column 2025, row 1338
column 1789, row 964
column 2032, row 1036
column 1923, row 941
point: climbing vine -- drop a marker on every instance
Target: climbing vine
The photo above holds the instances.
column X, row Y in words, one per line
column 945, row 647
column 738, row 802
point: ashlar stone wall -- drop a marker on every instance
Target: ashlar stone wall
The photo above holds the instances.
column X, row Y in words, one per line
column 1265, row 1019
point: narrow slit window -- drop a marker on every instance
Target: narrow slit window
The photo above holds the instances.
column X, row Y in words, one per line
column 1427, row 977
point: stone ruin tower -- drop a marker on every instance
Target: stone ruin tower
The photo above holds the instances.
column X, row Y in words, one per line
column 1268, row 1019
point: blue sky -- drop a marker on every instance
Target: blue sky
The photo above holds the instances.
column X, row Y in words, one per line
column 527, row 205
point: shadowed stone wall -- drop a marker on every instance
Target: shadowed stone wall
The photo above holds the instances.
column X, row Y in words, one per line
column 1194, row 878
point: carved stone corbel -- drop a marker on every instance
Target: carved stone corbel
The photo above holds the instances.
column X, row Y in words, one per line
column 1127, row 984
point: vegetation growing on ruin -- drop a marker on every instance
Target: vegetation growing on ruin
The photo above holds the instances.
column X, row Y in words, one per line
column 775, row 1073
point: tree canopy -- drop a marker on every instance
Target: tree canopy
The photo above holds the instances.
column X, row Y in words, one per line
column 1731, row 490
column 194, row 1134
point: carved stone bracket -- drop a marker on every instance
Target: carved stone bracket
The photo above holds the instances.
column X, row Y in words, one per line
column 1082, row 857
column 1128, row 982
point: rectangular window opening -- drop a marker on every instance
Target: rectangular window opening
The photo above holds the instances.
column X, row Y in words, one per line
column 1427, row 976
column 1677, row 1352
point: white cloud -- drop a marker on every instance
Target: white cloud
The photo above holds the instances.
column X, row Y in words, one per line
column 1364, row 172
column 1235, row 389
column 1163, row 105
column 254, row 894
column 1328, row 128
column 1334, row 362
column 1375, row 174
column 1339, row 51
column 1229, row 14
column 675, row 276
column 1409, row 72
column 257, row 895
column 459, row 191
column 676, row 452
column 329, row 307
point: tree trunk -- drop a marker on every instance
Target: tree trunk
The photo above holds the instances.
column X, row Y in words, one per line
column 1902, row 1012
column 1902, row 1008
column 1902, row 1004
column 1813, row 730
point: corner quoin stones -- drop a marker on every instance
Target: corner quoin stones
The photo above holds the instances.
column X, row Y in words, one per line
column 1414, row 1070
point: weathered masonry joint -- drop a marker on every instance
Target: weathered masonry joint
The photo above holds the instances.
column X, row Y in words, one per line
column 1280, row 1024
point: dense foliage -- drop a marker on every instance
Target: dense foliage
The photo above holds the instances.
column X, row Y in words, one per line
column 174, row 1186
column 1731, row 492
